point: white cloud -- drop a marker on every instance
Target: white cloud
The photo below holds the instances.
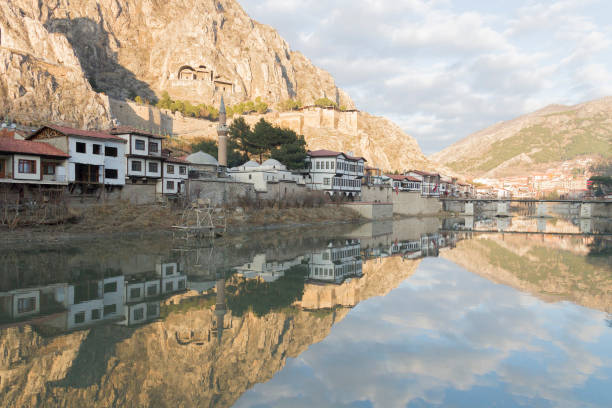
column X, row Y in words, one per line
column 462, row 65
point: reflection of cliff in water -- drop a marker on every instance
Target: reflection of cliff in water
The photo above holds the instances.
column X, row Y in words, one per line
column 200, row 354
column 551, row 267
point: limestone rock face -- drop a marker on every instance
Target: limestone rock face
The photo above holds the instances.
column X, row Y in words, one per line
column 194, row 49
column 56, row 54
column 41, row 78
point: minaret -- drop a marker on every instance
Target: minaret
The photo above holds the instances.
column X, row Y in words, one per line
column 222, row 132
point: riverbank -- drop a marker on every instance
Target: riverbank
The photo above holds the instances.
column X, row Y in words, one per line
column 124, row 219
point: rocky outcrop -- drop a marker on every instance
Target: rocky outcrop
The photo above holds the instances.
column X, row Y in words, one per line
column 194, row 49
column 55, row 56
column 534, row 142
column 40, row 77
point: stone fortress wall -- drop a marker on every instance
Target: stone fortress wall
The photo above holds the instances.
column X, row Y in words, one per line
column 164, row 121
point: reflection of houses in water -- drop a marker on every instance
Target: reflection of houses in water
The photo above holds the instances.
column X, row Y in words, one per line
column 428, row 245
column 124, row 299
column 337, row 262
column 266, row 269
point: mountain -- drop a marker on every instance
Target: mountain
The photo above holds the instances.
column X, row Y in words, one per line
column 68, row 62
column 534, row 142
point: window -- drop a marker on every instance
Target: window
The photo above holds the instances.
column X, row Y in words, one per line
column 327, row 165
column 110, row 151
column 79, row 317
column 97, row 149
column 134, row 292
column 152, row 309
column 318, row 165
column 153, row 147
column 332, row 165
column 169, row 270
column 111, row 174
column 181, row 284
column 110, row 309
column 139, row 313
column 152, row 290
column 182, row 170
column 48, row 169
column 25, row 305
column 169, row 185
column 95, row 314
column 81, row 147
column 110, row 287
column 153, row 167
column 170, row 169
column 250, row 177
column 27, row 166
column 136, row 165
column 169, row 286
column 326, row 181
column 139, row 144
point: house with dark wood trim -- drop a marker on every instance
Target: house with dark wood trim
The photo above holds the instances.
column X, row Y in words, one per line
column 96, row 158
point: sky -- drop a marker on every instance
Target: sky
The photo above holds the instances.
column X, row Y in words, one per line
column 443, row 69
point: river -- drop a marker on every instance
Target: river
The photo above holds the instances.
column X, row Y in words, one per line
column 429, row 312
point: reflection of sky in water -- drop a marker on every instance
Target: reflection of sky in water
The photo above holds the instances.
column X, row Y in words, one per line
column 447, row 337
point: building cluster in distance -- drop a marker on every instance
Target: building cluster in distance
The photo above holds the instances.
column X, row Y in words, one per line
column 569, row 180
column 132, row 164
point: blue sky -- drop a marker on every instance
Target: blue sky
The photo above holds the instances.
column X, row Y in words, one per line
column 443, row 69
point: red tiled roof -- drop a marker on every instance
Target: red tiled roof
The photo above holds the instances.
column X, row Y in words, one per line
column 331, row 153
column 29, row 147
column 91, row 134
column 323, row 153
column 179, row 160
column 122, row 130
column 399, row 177
column 424, row 173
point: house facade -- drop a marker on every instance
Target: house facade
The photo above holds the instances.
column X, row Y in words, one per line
column 404, row 183
column 96, row 158
column 339, row 261
column 336, row 173
column 143, row 154
column 430, row 182
column 262, row 176
column 174, row 176
column 28, row 162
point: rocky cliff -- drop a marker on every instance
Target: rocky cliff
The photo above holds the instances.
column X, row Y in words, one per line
column 61, row 61
column 40, row 77
column 534, row 142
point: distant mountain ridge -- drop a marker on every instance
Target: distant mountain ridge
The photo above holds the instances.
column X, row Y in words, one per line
column 533, row 142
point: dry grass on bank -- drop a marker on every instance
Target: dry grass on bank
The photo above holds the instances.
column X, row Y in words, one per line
column 306, row 215
column 125, row 217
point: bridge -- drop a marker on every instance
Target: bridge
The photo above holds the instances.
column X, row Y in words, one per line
column 524, row 200
column 588, row 208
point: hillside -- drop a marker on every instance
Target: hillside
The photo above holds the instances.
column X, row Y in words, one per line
column 65, row 62
column 534, row 142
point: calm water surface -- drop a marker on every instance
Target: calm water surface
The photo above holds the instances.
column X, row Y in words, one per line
column 507, row 312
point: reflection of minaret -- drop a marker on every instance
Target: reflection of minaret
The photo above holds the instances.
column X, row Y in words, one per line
column 220, row 307
column 222, row 132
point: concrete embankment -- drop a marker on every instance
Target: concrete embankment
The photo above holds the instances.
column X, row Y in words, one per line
column 404, row 203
